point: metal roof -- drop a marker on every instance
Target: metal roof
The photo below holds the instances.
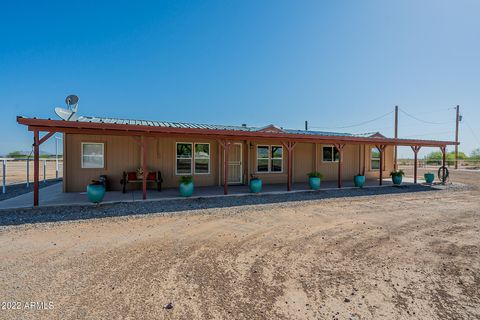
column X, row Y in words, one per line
column 169, row 124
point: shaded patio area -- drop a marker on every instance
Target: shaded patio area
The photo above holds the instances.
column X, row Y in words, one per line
column 53, row 195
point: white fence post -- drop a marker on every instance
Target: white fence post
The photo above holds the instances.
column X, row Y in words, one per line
column 4, row 170
column 28, row 172
column 44, row 171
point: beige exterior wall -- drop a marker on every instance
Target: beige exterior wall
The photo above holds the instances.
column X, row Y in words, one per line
column 123, row 153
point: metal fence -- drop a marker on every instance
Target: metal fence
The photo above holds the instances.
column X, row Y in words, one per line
column 462, row 164
column 20, row 171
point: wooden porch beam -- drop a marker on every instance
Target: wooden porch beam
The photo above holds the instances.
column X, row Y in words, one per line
column 46, row 137
column 124, row 129
column 415, row 149
column 289, row 145
column 226, row 148
column 381, row 149
column 36, row 167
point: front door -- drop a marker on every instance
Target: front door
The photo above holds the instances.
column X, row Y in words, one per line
column 235, row 164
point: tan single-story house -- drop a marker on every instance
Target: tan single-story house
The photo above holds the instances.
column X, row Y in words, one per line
column 213, row 154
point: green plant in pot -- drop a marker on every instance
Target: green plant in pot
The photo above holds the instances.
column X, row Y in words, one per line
column 314, row 180
column 96, row 191
column 359, row 180
column 429, row 177
column 186, row 186
column 397, row 176
column 255, row 184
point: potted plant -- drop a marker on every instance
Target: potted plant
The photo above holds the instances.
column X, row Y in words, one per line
column 139, row 173
column 397, row 176
column 429, row 177
column 359, row 181
column 255, row 184
column 186, row 186
column 314, row 180
column 96, row 191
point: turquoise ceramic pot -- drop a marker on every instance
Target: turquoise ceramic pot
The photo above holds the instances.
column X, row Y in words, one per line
column 186, row 189
column 429, row 177
column 255, row 185
column 95, row 192
column 359, row 181
column 397, row 180
column 314, row 183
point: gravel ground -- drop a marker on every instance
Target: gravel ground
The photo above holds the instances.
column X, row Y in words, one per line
column 18, row 189
column 398, row 255
column 59, row 213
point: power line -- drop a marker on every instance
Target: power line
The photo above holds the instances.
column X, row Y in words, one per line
column 358, row 124
column 471, row 130
column 427, row 134
column 421, row 120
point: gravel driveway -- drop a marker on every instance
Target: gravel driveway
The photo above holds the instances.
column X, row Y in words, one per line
column 400, row 255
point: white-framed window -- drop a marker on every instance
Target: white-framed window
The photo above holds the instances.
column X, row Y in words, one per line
column 269, row 159
column 202, row 158
column 93, row 155
column 330, row 154
column 184, row 157
column 375, row 159
column 276, row 161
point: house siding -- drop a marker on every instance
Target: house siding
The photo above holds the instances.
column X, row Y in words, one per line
column 123, row 153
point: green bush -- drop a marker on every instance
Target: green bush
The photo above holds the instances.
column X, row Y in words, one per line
column 315, row 174
column 186, row 179
column 397, row 173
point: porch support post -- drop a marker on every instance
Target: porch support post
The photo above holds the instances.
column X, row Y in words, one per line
column 339, row 148
column 36, row 161
column 444, row 163
column 381, row 149
column 143, row 144
column 226, row 146
column 289, row 145
column 415, row 162
column 36, row 166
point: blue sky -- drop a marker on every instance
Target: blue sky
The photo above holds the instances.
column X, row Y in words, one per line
column 333, row 63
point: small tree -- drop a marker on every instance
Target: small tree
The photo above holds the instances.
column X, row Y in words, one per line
column 475, row 155
column 437, row 157
column 16, row 154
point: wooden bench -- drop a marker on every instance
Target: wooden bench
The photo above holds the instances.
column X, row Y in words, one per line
column 131, row 177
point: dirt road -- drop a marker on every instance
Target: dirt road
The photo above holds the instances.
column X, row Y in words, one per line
column 404, row 256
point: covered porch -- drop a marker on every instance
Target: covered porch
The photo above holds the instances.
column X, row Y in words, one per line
column 143, row 133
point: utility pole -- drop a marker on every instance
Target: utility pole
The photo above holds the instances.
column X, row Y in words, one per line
column 456, row 135
column 306, row 125
column 395, row 164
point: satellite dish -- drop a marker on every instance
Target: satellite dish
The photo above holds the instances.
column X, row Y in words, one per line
column 66, row 114
column 72, row 102
column 70, row 113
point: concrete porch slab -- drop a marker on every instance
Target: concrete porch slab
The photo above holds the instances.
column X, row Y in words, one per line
column 54, row 196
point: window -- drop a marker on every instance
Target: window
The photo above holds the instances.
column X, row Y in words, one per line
column 276, row 162
column 93, row 155
column 184, row 159
column 202, row 158
column 330, row 154
column 269, row 158
column 375, row 159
